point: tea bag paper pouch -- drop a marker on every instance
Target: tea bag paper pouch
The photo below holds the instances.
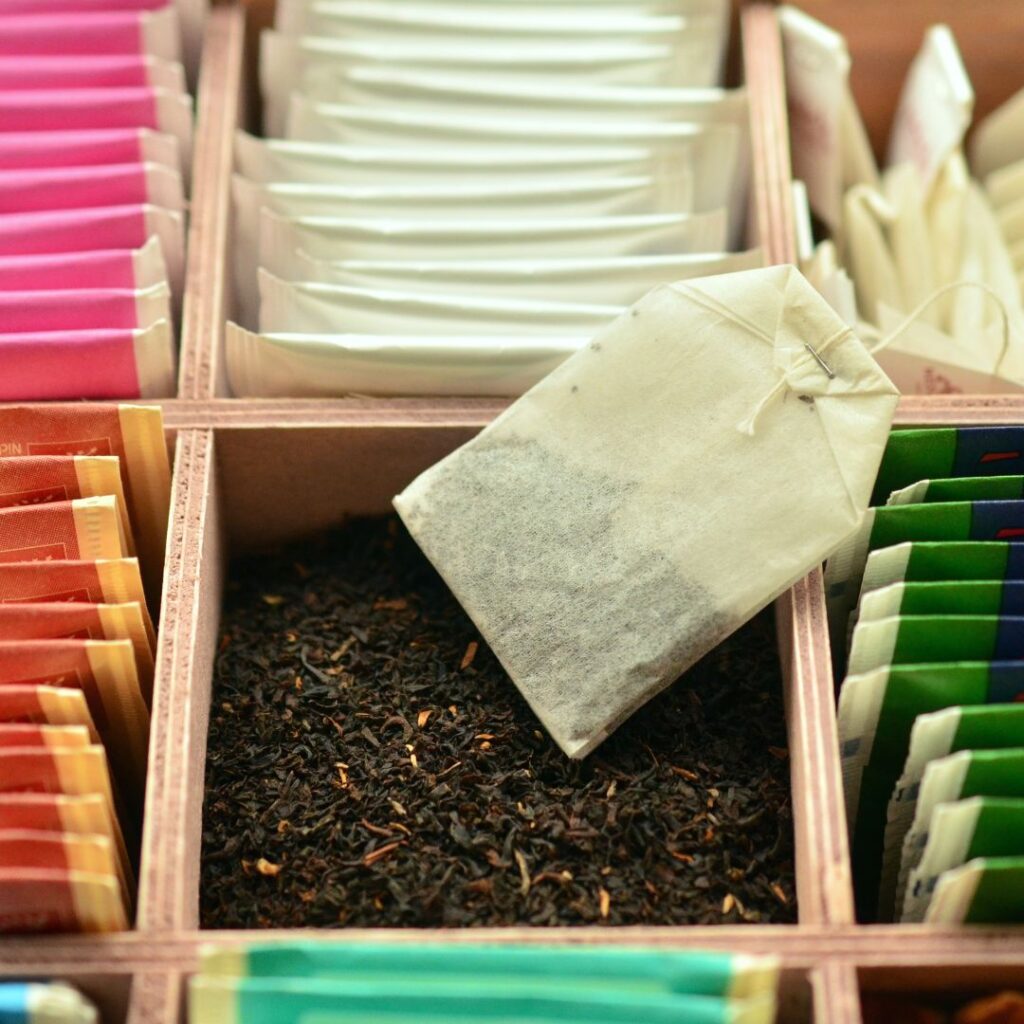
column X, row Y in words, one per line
column 598, row 554
column 830, row 148
column 998, row 140
column 935, row 107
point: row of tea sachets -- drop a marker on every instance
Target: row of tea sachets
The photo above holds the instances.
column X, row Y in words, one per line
column 405, row 983
column 915, row 255
column 84, row 494
column 95, row 147
column 42, row 1002
column 466, row 192
column 931, row 726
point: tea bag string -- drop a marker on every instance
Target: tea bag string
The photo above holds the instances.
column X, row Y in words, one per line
column 915, row 314
column 748, row 425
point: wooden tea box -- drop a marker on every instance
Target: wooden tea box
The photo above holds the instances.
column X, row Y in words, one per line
column 254, row 472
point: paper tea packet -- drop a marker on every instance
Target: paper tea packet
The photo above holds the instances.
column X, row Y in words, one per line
column 990, row 488
column 896, row 524
column 968, row 773
column 876, row 715
column 987, row 890
column 262, row 1000
column 951, row 597
column 938, row 561
column 959, row 832
column 707, row 974
column 595, row 552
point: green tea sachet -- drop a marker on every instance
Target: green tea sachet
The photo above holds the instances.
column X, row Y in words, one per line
column 937, row 561
column 948, row 597
column 967, row 773
column 921, row 639
column 988, row 890
column 896, row 524
column 877, row 711
column 959, row 832
column 633, row 970
column 933, row 453
column 960, row 488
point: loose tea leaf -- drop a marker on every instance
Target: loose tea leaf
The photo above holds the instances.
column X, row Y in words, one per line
column 366, row 743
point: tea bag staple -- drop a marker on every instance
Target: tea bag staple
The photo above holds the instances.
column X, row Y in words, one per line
column 649, row 496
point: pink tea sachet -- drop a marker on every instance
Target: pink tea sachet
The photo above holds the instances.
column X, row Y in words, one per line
column 95, row 155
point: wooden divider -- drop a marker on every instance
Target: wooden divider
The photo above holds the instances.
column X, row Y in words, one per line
column 236, row 468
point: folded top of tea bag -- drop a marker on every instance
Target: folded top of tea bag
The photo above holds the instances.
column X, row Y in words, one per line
column 650, row 495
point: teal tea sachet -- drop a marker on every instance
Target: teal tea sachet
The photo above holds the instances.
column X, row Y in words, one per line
column 649, row 496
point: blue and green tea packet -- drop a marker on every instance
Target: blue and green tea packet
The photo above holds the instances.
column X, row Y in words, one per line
column 44, row 1003
column 877, row 711
column 508, row 966
column 980, row 727
column 959, row 832
column 897, row 524
column 988, row 890
column 948, row 597
column 967, row 773
column 933, row 453
column 924, row 639
column 960, row 488
column 276, row 1000
column 942, row 561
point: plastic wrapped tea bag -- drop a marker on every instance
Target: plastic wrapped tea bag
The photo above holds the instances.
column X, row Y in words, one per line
column 661, row 486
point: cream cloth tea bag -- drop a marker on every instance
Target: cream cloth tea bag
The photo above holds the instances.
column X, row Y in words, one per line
column 665, row 483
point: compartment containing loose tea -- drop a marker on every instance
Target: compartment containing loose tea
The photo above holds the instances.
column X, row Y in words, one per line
column 949, row 993
column 84, row 506
column 369, row 763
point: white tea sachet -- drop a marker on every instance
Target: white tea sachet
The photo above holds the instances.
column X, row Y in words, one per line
column 650, row 495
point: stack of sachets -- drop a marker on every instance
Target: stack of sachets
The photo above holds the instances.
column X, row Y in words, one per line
column 95, row 146
column 914, row 255
column 84, row 494
column 44, row 1003
column 931, row 723
column 317, row 983
column 468, row 190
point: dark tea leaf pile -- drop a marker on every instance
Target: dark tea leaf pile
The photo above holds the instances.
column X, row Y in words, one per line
column 370, row 764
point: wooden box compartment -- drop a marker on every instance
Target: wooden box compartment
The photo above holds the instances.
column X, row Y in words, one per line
column 254, row 472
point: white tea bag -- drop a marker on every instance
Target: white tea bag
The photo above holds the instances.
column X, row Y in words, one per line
column 284, row 160
column 387, row 86
column 309, row 308
column 654, row 492
column 935, row 107
column 286, row 365
column 999, row 139
column 717, row 154
column 392, row 19
column 334, row 238
column 316, row 66
column 829, row 144
column 611, row 280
